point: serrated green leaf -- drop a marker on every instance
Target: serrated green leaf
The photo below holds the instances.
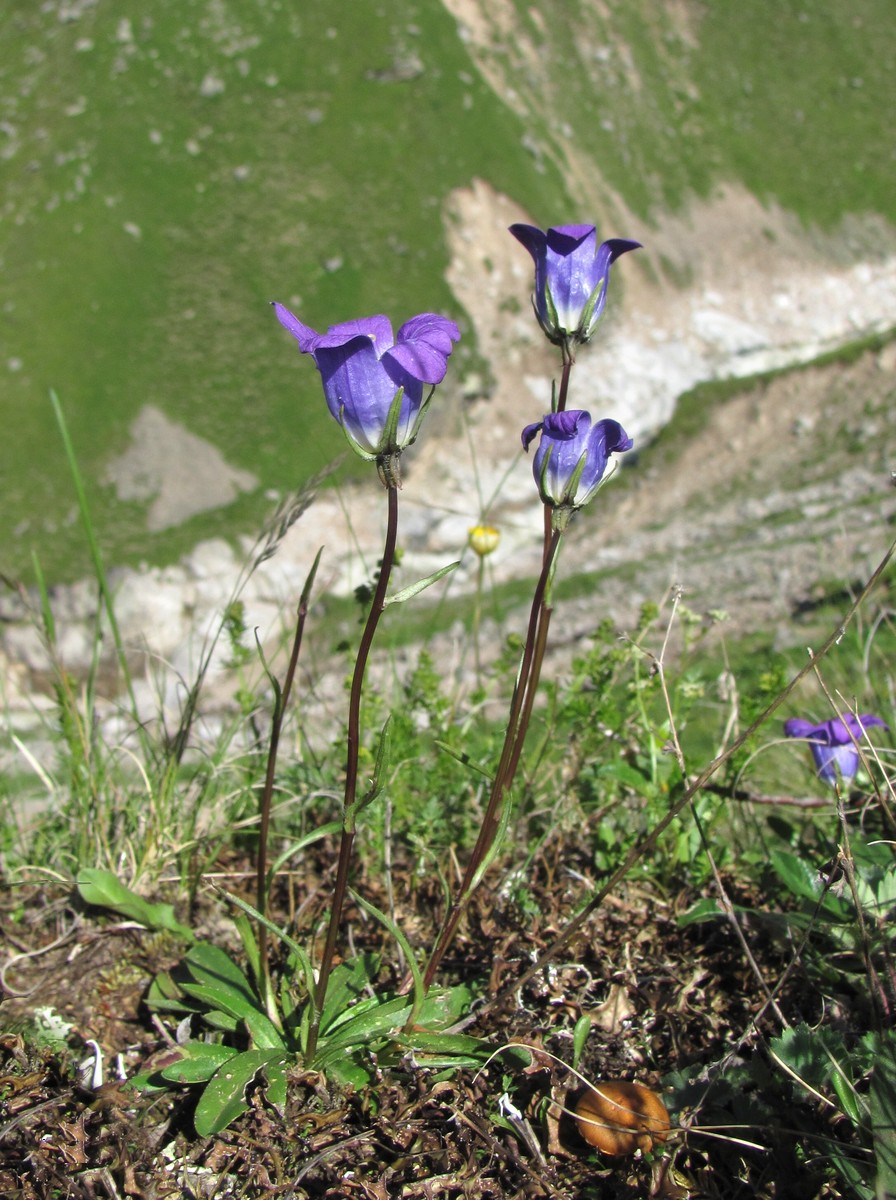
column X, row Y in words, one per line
column 800, row 1049
column 103, row 889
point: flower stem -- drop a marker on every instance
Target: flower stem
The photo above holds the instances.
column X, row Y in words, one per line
column 353, row 745
column 264, row 806
column 568, row 362
column 514, row 737
column 521, row 705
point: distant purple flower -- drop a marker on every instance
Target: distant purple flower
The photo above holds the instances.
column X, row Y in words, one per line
column 572, row 455
column 831, row 742
column 364, row 369
column 571, row 277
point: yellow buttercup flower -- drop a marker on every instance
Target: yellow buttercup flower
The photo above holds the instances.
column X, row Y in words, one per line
column 484, row 539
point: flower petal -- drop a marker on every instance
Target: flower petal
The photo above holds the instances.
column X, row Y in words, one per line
column 614, row 436
column 304, row 335
column 797, row 727
column 430, row 327
column 423, row 346
column 377, row 329
column 530, row 432
column 358, row 389
column 866, row 719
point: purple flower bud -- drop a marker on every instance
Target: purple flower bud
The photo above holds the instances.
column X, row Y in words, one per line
column 374, row 384
column 833, row 742
column 571, row 277
column 572, row 455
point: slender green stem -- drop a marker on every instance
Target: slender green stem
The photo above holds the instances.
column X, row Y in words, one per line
column 477, row 619
column 353, row 743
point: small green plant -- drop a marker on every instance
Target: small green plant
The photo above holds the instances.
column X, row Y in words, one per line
column 247, row 1027
column 359, row 1030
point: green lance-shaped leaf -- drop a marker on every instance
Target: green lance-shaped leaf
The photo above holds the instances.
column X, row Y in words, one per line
column 103, row 889
column 414, row 589
column 224, row 988
column 376, row 783
column 349, row 981
column 199, row 1063
column 300, row 953
column 393, row 929
column 579, row 1037
column 464, row 759
column 224, row 1097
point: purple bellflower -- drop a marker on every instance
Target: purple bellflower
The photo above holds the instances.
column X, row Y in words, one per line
column 571, row 277
column 833, row 742
column 374, row 383
column 571, row 458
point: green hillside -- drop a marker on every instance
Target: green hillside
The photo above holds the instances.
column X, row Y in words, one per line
column 165, row 176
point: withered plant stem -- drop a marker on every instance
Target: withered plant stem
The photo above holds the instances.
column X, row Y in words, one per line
column 264, row 807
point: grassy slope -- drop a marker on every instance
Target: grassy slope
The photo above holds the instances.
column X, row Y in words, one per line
column 317, row 176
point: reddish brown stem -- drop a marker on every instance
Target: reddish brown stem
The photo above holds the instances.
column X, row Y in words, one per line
column 520, row 708
column 353, row 743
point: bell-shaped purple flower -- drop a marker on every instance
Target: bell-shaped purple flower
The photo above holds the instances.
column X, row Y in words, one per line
column 833, row 742
column 572, row 456
column 571, row 277
column 374, row 383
